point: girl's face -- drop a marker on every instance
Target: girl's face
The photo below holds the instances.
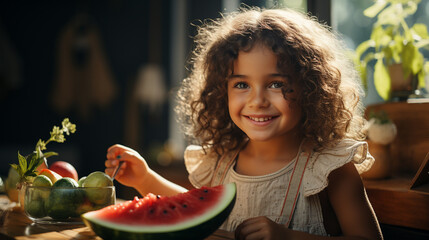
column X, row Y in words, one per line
column 255, row 100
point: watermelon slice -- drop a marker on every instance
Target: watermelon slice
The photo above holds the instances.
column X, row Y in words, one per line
column 191, row 215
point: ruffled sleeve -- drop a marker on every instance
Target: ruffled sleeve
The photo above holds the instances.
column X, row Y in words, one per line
column 200, row 165
column 323, row 163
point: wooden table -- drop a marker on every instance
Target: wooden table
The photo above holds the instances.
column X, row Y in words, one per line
column 14, row 224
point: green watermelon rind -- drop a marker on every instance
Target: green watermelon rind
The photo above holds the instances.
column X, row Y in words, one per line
column 196, row 228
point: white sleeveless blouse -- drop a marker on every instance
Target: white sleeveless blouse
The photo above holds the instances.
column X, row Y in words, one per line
column 264, row 195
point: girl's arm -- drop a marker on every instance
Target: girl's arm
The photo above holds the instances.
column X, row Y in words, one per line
column 136, row 173
column 349, row 201
column 351, row 205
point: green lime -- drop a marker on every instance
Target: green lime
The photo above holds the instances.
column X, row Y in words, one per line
column 41, row 188
column 95, row 187
column 100, row 196
column 42, row 181
column 97, row 179
column 35, row 208
column 64, row 199
column 65, row 182
column 81, row 180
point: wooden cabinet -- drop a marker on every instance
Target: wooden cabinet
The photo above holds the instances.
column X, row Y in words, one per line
column 394, row 202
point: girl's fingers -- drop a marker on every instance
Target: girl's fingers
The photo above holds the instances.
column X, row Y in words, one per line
column 111, row 170
column 111, row 163
column 248, row 228
column 131, row 157
column 117, row 146
column 116, row 150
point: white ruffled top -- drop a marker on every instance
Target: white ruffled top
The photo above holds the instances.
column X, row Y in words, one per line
column 264, row 195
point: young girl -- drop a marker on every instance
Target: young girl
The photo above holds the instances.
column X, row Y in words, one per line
column 274, row 106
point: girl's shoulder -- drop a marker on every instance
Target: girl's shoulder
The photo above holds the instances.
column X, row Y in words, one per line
column 200, row 164
column 323, row 162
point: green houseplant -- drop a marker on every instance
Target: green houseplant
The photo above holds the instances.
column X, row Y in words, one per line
column 394, row 46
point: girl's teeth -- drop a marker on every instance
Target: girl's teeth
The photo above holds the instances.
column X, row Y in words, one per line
column 260, row 119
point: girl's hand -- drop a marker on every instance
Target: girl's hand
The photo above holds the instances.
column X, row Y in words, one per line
column 133, row 170
column 260, row 228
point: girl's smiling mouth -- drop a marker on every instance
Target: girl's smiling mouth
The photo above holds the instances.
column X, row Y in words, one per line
column 261, row 119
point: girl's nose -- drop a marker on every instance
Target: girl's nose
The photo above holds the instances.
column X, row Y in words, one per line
column 258, row 98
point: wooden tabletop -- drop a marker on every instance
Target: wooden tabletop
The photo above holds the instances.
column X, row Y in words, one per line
column 14, row 224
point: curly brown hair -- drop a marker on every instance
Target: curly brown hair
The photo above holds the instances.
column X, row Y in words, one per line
column 329, row 87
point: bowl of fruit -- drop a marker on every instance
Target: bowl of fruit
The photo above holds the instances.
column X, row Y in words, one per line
column 52, row 199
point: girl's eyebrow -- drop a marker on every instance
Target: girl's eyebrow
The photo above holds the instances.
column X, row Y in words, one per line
column 279, row 75
column 270, row 75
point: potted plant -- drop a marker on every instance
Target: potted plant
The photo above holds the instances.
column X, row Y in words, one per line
column 381, row 131
column 22, row 173
column 396, row 49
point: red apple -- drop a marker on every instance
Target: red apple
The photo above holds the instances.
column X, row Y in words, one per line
column 64, row 169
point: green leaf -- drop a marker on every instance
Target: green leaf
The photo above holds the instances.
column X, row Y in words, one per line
column 397, row 47
column 388, row 54
column 22, row 163
column 362, row 69
column 421, row 75
column 362, row 72
column 382, row 80
column 16, row 167
column 374, row 9
column 421, row 30
column 32, row 159
column 412, row 59
column 361, row 49
column 50, row 154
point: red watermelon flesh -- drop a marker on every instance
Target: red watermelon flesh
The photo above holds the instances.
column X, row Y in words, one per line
column 155, row 210
column 197, row 212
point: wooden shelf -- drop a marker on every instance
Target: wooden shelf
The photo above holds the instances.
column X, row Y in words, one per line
column 395, row 204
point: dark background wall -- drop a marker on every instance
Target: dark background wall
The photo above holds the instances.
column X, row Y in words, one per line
column 132, row 34
column 33, row 28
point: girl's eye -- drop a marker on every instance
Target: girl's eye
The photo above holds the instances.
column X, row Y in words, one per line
column 276, row 85
column 241, row 85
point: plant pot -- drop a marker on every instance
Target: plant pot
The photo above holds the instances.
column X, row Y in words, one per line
column 400, row 87
column 382, row 166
